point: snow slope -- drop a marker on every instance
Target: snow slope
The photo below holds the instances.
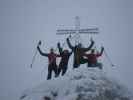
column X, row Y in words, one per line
column 79, row 84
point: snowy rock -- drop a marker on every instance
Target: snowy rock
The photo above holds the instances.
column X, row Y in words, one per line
column 79, row 84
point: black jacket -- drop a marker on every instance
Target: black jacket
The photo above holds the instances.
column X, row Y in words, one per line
column 78, row 52
column 64, row 56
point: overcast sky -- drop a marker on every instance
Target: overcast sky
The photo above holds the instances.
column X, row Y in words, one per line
column 24, row 22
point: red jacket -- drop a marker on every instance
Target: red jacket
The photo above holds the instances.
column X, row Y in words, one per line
column 51, row 56
column 92, row 58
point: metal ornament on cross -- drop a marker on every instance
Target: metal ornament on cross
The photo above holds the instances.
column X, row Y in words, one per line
column 77, row 31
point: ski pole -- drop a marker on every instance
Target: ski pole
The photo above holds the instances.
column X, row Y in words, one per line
column 108, row 58
column 34, row 56
column 33, row 59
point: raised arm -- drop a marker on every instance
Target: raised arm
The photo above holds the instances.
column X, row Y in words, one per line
column 59, row 47
column 69, row 44
column 41, row 53
column 100, row 54
column 91, row 45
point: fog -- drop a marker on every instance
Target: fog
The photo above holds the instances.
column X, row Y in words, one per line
column 24, row 22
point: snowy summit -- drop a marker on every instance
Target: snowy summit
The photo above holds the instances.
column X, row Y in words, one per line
column 79, row 84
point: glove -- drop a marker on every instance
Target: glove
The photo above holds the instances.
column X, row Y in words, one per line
column 39, row 43
column 102, row 48
column 67, row 39
column 92, row 41
column 58, row 44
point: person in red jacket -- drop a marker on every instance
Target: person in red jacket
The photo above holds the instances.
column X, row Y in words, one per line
column 52, row 66
column 93, row 58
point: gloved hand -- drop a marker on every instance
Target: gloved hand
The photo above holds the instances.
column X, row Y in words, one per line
column 102, row 47
column 39, row 43
column 67, row 39
column 58, row 44
column 92, row 40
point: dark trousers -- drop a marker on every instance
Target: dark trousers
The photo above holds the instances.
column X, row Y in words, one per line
column 52, row 67
column 99, row 65
column 62, row 68
column 81, row 61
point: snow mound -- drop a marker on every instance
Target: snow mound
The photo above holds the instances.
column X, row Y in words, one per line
column 79, row 84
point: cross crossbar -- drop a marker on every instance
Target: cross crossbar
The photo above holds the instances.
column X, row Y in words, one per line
column 80, row 31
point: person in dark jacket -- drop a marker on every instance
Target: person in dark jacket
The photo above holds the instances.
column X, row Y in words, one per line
column 52, row 66
column 65, row 55
column 93, row 58
column 78, row 53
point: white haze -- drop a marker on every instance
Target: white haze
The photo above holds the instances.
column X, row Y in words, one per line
column 24, row 22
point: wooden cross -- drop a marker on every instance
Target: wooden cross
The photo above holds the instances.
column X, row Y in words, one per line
column 77, row 31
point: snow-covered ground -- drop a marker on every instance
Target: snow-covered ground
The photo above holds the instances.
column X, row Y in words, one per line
column 79, row 84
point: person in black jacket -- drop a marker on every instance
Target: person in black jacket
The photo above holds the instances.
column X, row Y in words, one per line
column 52, row 66
column 79, row 52
column 65, row 55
